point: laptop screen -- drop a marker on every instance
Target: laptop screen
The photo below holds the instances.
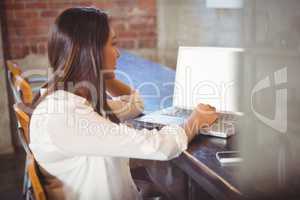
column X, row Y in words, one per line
column 208, row 75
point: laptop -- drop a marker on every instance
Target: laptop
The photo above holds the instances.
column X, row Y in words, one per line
column 208, row 75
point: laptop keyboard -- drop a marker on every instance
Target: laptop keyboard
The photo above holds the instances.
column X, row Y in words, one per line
column 223, row 127
column 177, row 112
column 184, row 113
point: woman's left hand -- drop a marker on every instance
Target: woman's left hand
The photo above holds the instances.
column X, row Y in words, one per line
column 117, row 88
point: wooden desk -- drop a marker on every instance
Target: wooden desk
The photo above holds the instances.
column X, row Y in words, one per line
column 200, row 163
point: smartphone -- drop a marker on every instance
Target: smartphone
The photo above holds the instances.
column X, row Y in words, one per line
column 229, row 157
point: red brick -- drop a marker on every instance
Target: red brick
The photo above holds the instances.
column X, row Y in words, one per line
column 149, row 5
column 127, row 34
column 50, row 13
column 147, row 34
column 40, row 22
column 103, row 4
column 10, row 14
column 42, row 48
column 84, row 4
column 80, row 1
column 59, row 5
column 36, row 39
column 118, row 27
column 35, row 31
column 16, row 40
column 26, row 14
column 13, row 23
column 137, row 27
column 26, row 49
column 149, row 43
column 29, row 22
column 118, row 18
column 127, row 44
column 146, row 3
column 17, row 51
column 14, row 5
column 144, row 20
column 53, row 1
column 36, row 5
column 33, row 48
column 122, row 3
column 10, row 32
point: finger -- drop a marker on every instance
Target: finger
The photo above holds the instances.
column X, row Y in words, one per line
column 207, row 111
column 200, row 105
column 210, row 106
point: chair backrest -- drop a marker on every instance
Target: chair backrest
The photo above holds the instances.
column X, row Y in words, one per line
column 32, row 167
column 24, row 88
column 38, row 190
column 12, row 71
column 15, row 92
column 19, row 84
column 13, row 68
column 23, row 119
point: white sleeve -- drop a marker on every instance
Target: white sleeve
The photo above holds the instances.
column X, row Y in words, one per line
column 127, row 106
column 85, row 132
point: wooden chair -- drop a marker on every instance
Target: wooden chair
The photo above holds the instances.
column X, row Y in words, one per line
column 15, row 70
column 36, row 186
column 32, row 187
column 24, row 90
column 15, row 93
column 23, row 120
column 17, row 83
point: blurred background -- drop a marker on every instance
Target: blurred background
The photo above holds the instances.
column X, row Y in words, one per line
column 268, row 30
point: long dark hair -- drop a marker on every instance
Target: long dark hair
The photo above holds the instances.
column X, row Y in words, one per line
column 75, row 52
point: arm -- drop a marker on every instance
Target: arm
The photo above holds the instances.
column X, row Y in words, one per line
column 127, row 106
column 93, row 135
column 126, row 102
column 117, row 88
column 201, row 118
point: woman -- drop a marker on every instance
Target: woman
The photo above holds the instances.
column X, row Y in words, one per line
column 77, row 135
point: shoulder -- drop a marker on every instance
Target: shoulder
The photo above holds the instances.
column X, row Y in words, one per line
column 61, row 101
column 57, row 108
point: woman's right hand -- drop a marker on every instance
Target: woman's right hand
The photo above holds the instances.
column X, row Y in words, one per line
column 202, row 117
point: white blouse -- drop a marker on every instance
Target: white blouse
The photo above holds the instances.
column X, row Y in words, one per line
column 85, row 155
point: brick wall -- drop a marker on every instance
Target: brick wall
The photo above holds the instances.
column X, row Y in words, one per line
column 28, row 23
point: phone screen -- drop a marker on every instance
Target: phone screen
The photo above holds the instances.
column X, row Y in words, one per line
column 229, row 155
